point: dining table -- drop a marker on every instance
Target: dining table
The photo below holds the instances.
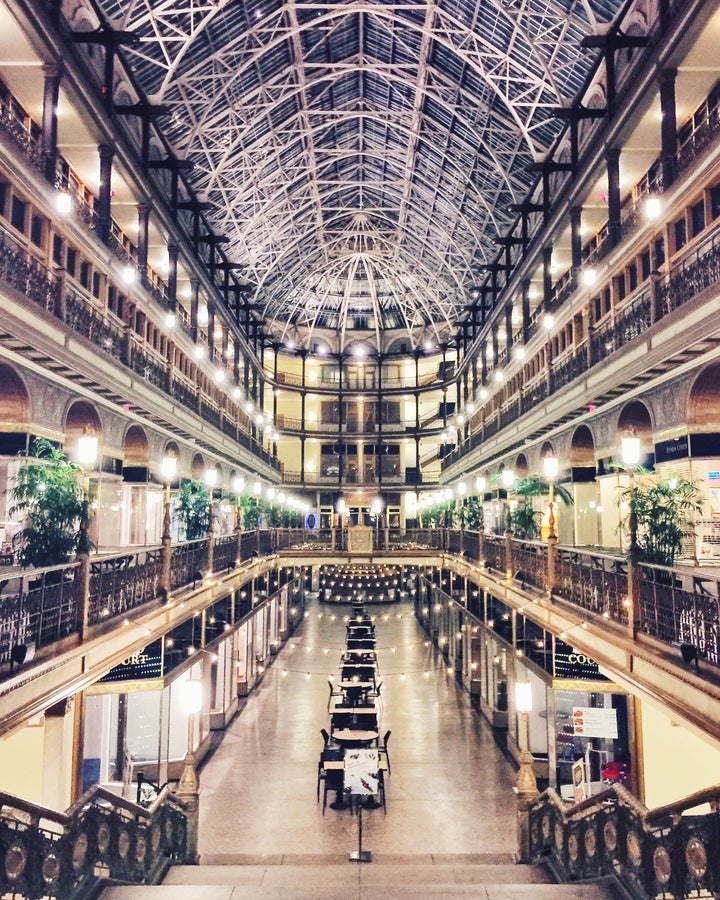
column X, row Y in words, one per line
column 357, row 736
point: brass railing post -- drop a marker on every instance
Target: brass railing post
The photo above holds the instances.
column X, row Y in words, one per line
column 82, row 592
column 508, row 555
column 551, row 563
column 210, row 548
column 166, row 552
column 633, row 596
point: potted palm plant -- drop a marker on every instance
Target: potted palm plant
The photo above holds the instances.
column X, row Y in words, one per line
column 48, row 494
column 664, row 512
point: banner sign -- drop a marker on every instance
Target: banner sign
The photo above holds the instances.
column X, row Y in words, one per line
column 590, row 721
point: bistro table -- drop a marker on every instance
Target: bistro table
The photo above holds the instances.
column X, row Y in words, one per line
column 355, row 736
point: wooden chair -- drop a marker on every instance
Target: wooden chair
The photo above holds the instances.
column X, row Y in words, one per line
column 383, row 749
column 334, row 692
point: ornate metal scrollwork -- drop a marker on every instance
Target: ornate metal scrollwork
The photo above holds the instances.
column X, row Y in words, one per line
column 662, row 865
column 696, row 858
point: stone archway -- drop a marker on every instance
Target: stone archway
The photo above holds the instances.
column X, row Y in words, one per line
column 635, row 419
column 81, row 419
column 703, row 410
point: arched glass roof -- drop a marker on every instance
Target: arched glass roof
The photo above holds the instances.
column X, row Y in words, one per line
column 361, row 157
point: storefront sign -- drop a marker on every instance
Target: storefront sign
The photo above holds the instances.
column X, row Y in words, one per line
column 667, row 451
column 590, row 721
column 572, row 663
column 141, row 665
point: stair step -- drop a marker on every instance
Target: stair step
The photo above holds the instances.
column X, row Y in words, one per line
column 326, row 878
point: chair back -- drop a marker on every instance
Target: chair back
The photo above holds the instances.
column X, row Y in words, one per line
column 386, row 738
column 325, row 736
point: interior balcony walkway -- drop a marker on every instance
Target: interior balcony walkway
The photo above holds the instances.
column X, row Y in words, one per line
column 450, row 827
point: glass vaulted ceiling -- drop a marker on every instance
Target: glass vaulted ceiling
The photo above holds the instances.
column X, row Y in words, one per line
column 361, row 157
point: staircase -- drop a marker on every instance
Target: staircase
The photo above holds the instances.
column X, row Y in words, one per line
column 487, row 876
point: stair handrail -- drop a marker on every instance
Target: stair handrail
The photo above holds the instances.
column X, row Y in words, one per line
column 98, row 837
column 651, row 852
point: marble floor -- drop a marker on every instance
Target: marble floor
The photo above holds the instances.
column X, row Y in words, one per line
column 450, row 790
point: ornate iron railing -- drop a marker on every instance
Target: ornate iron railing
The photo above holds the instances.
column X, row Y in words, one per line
column 681, row 607
column 188, row 560
column 653, row 853
column 596, row 582
column 37, row 608
column 494, row 546
column 530, row 562
column 100, row 837
column 225, row 552
column 119, row 584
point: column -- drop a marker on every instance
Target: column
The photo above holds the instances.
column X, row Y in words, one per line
column 525, row 288
column 508, row 330
column 211, row 332
column 614, row 210
column 51, row 94
column 576, row 240
column 547, row 278
column 105, row 192
column 668, row 127
column 143, row 212
column 194, row 304
column 172, row 275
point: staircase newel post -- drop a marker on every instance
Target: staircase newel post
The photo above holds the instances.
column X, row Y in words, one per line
column 526, row 796
column 188, row 791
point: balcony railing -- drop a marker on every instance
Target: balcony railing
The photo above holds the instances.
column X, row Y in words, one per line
column 39, row 607
column 68, row 304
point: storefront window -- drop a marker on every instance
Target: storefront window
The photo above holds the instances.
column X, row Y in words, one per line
column 592, row 746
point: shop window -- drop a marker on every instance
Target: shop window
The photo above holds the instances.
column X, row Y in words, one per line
column 620, row 287
column 659, row 252
column 632, row 276
column 697, row 215
column 71, row 261
column 18, row 214
column 680, row 230
column 645, row 265
column 36, row 230
column 57, row 249
column 715, row 201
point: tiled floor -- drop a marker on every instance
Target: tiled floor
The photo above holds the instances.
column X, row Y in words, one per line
column 450, row 791
column 450, row 824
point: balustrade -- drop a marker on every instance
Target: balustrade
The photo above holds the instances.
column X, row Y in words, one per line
column 119, row 584
column 529, row 563
column 37, row 608
column 681, row 607
column 188, row 559
column 101, row 836
column 596, row 582
column 652, row 853
column 225, row 552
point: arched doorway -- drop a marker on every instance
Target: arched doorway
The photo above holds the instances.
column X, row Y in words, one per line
column 82, row 423
column 142, row 495
column 14, row 438
column 583, row 467
column 697, row 457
